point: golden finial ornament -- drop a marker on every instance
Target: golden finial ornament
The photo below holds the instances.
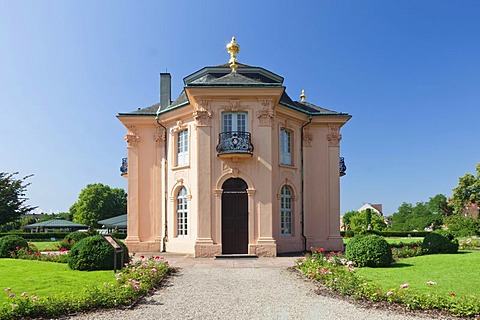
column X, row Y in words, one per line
column 303, row 96
column 233, row 48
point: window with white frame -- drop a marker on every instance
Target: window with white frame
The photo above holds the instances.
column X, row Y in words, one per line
column 182, row 148
column 286, row 211
column 285, row 147
column 234, row 121
column 182, row 213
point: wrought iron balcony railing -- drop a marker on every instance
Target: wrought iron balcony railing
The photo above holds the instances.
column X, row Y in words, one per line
column 343, row 167
column 234, row 143
column 124, row 167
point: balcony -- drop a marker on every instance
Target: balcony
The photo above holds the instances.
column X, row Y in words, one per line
column 343, row 167
column 234, row 144
column 124, row 167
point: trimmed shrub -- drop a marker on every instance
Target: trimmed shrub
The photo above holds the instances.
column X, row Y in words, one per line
column 94, row 253
column 440, row 241
column 12, row 243
column 72, row 238
column 369, row 251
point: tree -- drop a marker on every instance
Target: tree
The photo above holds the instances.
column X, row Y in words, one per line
column 467, row 191
column 347, row 218
column 365, row 220
column 12, row 197
column 97, row 202
column 424, row 214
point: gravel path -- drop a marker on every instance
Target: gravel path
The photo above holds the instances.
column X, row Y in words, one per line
column 243, row 293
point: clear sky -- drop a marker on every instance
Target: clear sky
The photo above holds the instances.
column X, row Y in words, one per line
column 407, row 71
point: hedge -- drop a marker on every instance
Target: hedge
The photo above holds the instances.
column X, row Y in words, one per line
column 39, row 236
column 397, row 234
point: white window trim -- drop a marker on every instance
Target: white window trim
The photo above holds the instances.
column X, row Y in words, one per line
column 286, row 157
column 181, row 214
column 286, row 212
column 235, row 121
column 182, row 149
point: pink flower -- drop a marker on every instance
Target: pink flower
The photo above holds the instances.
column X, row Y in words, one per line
column 25, row 295
column 135, row 282
column 321, row 249
column 8, row 289
column 11, row 295
column 452, row 294
column 323, row 271
column 404, row 286
column 389, row 293
column 142, row 257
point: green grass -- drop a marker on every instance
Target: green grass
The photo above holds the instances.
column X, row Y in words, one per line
column 46, row 278
column 47, row 245
column 453, row 273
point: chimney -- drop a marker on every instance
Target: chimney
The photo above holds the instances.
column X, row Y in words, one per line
column 165, row 90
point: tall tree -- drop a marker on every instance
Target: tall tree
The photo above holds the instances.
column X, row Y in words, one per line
column 422, row 215
column 12, row 197
column 97, row 202
column 467, row 191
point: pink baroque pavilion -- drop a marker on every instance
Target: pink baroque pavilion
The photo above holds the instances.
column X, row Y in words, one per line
column 232, row 166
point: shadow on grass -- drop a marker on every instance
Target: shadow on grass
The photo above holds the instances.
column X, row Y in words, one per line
column 400, row 265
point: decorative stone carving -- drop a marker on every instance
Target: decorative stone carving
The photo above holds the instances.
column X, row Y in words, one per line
column 334, row 136
column 202, row 113
column 234, row 106
column 178, row 127
column 287, row 124
column 179, row 175
column 132, row 137
column 307, row 137
column 159, row 135
column 267, row 114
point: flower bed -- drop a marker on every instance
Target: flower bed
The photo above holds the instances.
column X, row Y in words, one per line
column 335, row 273
column 131, row 284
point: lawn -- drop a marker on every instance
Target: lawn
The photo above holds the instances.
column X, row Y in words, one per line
column 46, row 278
column 47, row 245
column 453, row 273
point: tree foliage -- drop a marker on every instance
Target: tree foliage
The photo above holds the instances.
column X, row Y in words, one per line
column 97, row 202
column 12, row 197
column 367, row 220
column 467, row 191
column 424, row 214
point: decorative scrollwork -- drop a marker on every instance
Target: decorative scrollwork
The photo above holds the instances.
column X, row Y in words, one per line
column 235, row 142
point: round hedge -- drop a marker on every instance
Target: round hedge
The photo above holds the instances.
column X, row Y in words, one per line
column 369, row 251
column 94, row 253
column 440, row 241
column 11, row 243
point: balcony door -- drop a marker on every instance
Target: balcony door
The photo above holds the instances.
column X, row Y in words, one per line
column 234, row 122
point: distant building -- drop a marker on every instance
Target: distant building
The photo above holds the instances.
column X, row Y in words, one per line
column 233, row 166
column 377, row 207
column 471, row 210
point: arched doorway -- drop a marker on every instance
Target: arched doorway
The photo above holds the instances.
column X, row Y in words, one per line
column 234, row 216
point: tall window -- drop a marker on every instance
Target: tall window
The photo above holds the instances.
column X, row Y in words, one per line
column 182, row 148
column 182, row 213
column 286, row 211
column 234, row 121
column 285, row 147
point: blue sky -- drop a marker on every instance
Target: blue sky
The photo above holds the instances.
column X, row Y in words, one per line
column 408, row 72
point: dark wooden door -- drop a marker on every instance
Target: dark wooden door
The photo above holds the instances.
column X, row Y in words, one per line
column 234, row 216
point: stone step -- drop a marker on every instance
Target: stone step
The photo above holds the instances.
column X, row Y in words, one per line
column 236, row 256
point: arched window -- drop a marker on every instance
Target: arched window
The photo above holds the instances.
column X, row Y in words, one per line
column 286, row 211
column 182, row 213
